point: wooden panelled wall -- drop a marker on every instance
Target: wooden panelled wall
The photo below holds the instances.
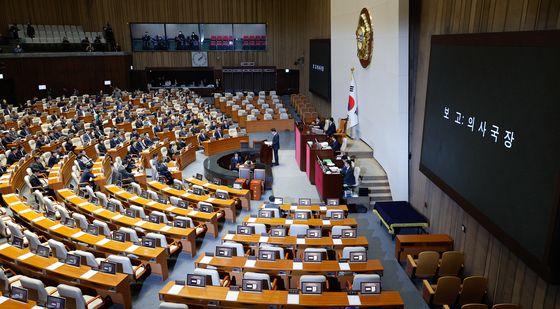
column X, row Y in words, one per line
column 290, row 25
column 509, row 279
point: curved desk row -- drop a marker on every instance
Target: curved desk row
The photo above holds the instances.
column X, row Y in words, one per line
column 243, row 194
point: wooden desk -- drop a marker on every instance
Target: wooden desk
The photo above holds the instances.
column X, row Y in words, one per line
column 59, row 175
column 52, row 146
column 314, row 208
column 115, row 286
column 89, row 149
column 8, row 303
column 244, row 195
column 186, row 236
column 312, row 151
column 266, row 125
column 208, row 219
column 328, row 185
column 170, row 135
column 303, row 135
column 298, row 245
column 186, row 157
column 228, row 206
column 157, row 257
column 13, row 178
column 213, row 147
column 202, row 296
column 119, row 151
column 102, row 170
column 414, row 244
column 325, row 224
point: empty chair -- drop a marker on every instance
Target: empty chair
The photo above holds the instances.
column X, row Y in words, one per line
column 347, row 250
column 451, row 263
column 260, row 228
column 36, row 290
column 132, row 236
column 34, row 240
column 7, row 282
column 173, row 247
column 134, row 271
column 284, row 116
column 238, row 248
column 444, row 292
column 267, row 117
column 161, row 215
column 298, row 229
column 360, row 278
column 58, row 249
column 337, row 230
column 89, row 191
column 136, row 188
column 506, row 306
column 103, row 228
column 89, row 258
column 168, row 305
column 214, row 275
column 262, row 277
column 473, row 290
column 4, row 231
column 152, row 195
column 139, row 211
column 75, row 298
column 64, row 214
column 102, row 197
column 174, row 200
column 118, row 203
column 424, row 267
column 80, row 220
column 314, row 279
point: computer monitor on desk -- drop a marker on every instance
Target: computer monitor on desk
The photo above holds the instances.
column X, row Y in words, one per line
column 253, row 285
column 370, row 287
column 266, row 213
column 73, row 260
column 268, row 255
column 278, row 200
column 55, row 302
column 278, row 232
column 314, row 233
column 108, row 267
column 348, row 233
column 245, row 230
column 19, row 294
column 312, row 288
column 301, row 215
column 312, row 257
column 222, row 251
column 358, row 257
column 198, row 281
column 43, row 251
column 304, row 201
column 180, row 223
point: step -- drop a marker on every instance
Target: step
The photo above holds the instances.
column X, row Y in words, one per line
column 371, row 177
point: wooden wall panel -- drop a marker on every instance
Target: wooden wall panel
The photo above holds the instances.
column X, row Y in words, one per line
column 509, row 278
column 290, row 25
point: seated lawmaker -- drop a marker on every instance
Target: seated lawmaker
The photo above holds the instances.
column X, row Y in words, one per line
column 331, row 128
column 37, row 184
column 202, row 137
column 218, row 134
column 348, row 174
column 235, row 161
column 87, row 179
column 163, row 170
column 334, row 144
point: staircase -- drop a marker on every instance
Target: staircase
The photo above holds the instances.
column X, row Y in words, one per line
column 373, row 175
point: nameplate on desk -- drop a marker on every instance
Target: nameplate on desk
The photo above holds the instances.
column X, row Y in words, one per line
column 78, row 234
column 228, row 237
column 193, row 213
column 37, row 219
column 25, row 256
column 170, row 208
column 25, row 211
column 251, row 220
column 88, row 274
column 300, row 241
column 207, row 185
column 206, row 260
column 3, row 299
column 297, row 266
column 56, row 226
column 293, row 299
column 98, row 210
column 337, row 241
column 186, row 195
column 322, row 208
column 344, row 266
column 71, row 196
column 166, row 189
column 151, row 203
column 140, row 223
column 120, row 192
column 132, row 248
column 175, row 289
column 210, row 199
column 4, row 246
column 102, row 241
column 326, row 222
column 232, row 295
column 134, row 198
column 83, row 204
column 165, row 228
column 354, row 300
column 289, row 222
column 293, row 208
column 263, row 239
column 250, row 263
column 54, row 266
column 117, row 217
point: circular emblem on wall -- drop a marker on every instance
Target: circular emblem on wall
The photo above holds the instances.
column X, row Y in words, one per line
column 364, row 38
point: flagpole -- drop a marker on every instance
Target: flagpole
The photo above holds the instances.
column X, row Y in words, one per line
column 352, row 69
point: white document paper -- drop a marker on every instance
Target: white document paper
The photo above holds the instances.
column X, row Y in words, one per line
column 289, row 221
column 54, row 265
column 337, row 241
column 151, row 203
column 82, row 204
column 25, row 256
column 250, row 263
column 292, row 208
column 206, row 260
column 322, row 208
column 117, row 217
column 354, row 300
column 344, row 266
column 175, row 289
column 228, row 237
column 232, row 295
column 263, row 239
column 326, row 222
column 300, row 241
column 3, row 299
column 170, row 208
column 78, row 234
column 251, row 220
column 25, row 211
column 140, row 223
column 88, row 274
column 37, row 219
column 165, row 228
column 98, row 210
column 4, row 246
column 131, row 248
column 297, row 266
column 210, row 199
column 134, row 198
column 54, row 227
column 102, row 242
column 166, row 189
column 293, row 299
column 193, row 213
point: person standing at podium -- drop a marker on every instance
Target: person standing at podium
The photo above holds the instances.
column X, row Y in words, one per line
column 275, row 145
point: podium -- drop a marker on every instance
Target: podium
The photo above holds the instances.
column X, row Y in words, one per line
column 265, row 154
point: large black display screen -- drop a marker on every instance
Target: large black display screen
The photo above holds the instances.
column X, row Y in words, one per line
column 320, row 67
column 491, row 135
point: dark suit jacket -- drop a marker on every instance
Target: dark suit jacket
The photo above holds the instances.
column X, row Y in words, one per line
column 218, row 134
column 336, row 146
column 331, row 129
column 348, row 173
column 276, row 141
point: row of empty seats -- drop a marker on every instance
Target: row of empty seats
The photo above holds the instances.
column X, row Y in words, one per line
column 56, row 33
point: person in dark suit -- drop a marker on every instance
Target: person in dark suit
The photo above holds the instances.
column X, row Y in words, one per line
column 55, row 157
column 30, row 31
column 37, row 184
column 38, row 167
column 348, row 174
column 335, row 145
column 87, row 178
column 101, row 147
column 235, row 160
column 218, row 133
column 275, row 145
column 163, row 170
column 20, row 152
column 12, row 157
column 147, row 141
column 332, row 127
column 202, row 137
